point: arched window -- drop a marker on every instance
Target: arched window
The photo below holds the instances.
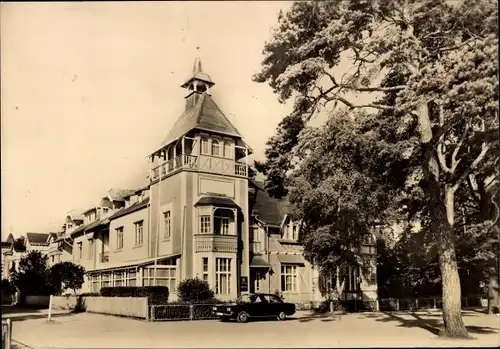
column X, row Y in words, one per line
column 204, row 146
column 227, row 150
column 215, row 148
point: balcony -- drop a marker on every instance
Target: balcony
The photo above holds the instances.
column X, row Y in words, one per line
column 202, row 162
column 216, row 243
column 104, row 257
column 256, row 247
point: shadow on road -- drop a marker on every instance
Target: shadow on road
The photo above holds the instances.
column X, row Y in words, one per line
column 17, row 313
column 36, row 316
column 433, row 325
column 324, row 317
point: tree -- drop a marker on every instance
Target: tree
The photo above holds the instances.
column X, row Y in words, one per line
column 66, row 275
column 32, row 276
column 194, row 290
column 433, row 70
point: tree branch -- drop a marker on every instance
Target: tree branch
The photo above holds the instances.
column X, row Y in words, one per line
column 484, row 150
column 442, row 158
column 454, row 161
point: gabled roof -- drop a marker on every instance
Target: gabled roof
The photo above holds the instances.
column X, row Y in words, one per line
column 120, row 194
column 204, row 115
column 10, row 238
column 267, row 209
column 37, row 238
column 76, row 214
column 216, row 201
column 132, row 208
column 53, row 236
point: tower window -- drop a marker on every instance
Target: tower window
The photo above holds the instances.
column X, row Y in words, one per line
column 215, row 148
column 227, row 150
column 204, row 146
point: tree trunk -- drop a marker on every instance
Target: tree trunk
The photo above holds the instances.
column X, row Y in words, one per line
column 441, row 208
column 493, row 298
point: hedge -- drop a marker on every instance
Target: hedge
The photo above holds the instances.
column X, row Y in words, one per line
column 155, row 294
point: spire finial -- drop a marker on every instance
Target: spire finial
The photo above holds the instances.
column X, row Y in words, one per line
column 197, row 66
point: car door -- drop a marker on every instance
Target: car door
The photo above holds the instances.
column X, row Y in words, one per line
column 259, row 306
column 275, row 305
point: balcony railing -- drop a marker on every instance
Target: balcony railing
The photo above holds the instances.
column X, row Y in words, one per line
column 104, row 257
column 204, row 162
column 256, row 247
column 216, row 243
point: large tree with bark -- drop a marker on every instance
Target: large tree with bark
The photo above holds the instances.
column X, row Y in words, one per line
column 431, row 68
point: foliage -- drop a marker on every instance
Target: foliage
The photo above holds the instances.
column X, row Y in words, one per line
column 156, row 294
column 8, row 287
column 20, row 244
column 32, row 277
column 194, row 290
column 430, row 122
column 66, row 275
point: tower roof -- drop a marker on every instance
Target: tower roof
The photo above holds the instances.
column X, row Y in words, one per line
column 198, row 74
column 204, row 115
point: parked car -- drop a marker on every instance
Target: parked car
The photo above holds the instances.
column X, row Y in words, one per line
column 258, row 305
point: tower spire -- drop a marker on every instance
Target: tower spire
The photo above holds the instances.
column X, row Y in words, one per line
column 197, row 84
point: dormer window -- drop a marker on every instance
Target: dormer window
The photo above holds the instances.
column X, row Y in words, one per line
column 290, row 231
column 215, row 148
column 105, row 210
column 204, row 146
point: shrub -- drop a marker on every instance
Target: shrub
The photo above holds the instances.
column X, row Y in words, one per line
column 194, row 291
column 155, row 294
column 8, row 287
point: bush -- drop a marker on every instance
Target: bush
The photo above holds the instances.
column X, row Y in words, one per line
column 194, row 291
column 155, row 294
column 7, row 287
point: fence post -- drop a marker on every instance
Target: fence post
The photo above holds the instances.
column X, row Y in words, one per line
column 190, row 312
column 397, row 304
column 152, row 315
column 50, row 308
column 434, row 300
column 416, row 304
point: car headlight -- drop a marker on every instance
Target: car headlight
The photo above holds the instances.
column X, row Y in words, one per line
column 214, row 308
column 228, row 309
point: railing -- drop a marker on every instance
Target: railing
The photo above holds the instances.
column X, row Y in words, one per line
column 104, row 257
column 172, row 312
column 256, row 247
column 240, row 169
column 216, row 243
column 186, row 161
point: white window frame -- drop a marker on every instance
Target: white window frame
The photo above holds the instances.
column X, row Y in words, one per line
column 119, row 238
column 216, row 151
column 80, row 250
column 119, row 277
column 289, row 272
column 204, row 268
column 352, row 275
column 167, row 224
column 139, row 232
column 204, row 142
column 226, row 146
column 91, row 248
column 225, row 219
column 106, row 282
column 205, row 224
column 223, row 276
column 169, row 280
column 131, row 276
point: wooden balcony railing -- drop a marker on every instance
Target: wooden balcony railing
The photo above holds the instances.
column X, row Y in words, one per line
column 216, row 243
column 204, row 162
column 104, row 257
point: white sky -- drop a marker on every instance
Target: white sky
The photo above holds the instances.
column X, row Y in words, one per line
column 90, row 89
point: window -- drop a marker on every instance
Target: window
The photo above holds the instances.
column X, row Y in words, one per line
column 119, row 238
column 105, row 210
column 205, row 224
column 165, row 276
column 257, row 281
column 204, row 146
column 205, row 269
column 80, row 250
column 215, row 148
column 227, row 150
column 131, row 277
column 119, row 279
column 221, row 221
column 91, row 248
column 95, row 285
column 139, row 232
column 223, row 275
column 351, row 274
column 289, row 278
column 367, row 239
column 290, row 232
column 166, row 225
column 52, row 259
column 106, row 280
column 295, row 234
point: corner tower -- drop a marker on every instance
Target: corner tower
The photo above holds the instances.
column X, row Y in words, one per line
column 199, row 194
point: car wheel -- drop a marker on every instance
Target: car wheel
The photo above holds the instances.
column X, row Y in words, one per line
column 242, row 317
column 281, row 316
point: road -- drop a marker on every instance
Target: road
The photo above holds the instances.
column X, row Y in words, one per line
column 353, row 330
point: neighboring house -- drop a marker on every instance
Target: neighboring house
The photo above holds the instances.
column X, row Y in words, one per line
column 7, row 250
column 278, row 264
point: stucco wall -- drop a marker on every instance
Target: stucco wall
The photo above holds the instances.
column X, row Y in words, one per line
column 130, row 251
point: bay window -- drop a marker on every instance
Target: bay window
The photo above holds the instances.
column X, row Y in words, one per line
column 223, row 275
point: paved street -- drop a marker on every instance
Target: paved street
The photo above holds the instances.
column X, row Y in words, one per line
column 353, row 330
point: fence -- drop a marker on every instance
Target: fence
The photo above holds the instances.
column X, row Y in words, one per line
column 65, row 302
column 124, row 306
column 170, row 312
column 6, row 334
column 410, row 304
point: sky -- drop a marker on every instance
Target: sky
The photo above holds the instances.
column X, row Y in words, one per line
column 90, row 89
